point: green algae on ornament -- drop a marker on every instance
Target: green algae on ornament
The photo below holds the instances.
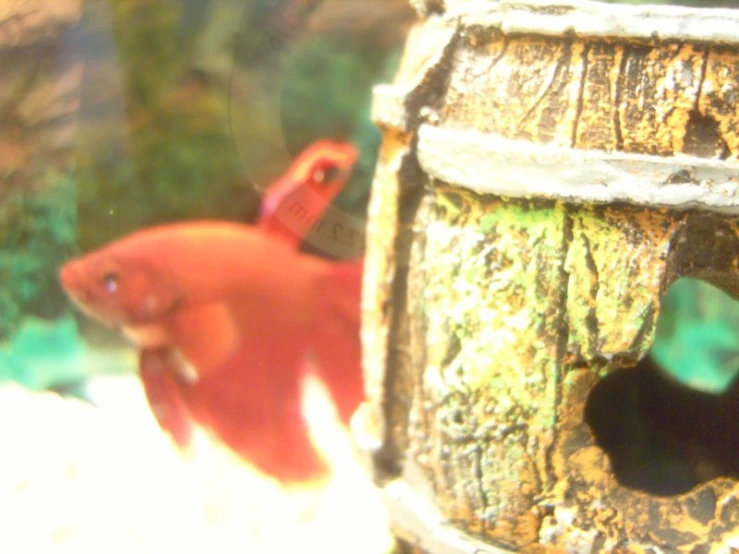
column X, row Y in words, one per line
column 697, row 336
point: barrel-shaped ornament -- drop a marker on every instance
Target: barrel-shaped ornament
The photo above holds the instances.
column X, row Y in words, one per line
column 548, row 170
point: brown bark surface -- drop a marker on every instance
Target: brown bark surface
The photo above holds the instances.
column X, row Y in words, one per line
column 491, row 319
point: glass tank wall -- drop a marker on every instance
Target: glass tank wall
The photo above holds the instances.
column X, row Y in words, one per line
column 119, row 115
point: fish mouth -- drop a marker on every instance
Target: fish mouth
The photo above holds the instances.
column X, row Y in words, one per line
column 72, row 280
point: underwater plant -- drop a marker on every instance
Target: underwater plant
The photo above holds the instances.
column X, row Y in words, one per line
column 697, row 336
column 38, row 230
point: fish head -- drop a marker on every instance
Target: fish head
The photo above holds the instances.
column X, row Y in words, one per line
column 119, row 291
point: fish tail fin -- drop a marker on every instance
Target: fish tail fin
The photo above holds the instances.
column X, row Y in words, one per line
column 337, row 346
column 257, row 413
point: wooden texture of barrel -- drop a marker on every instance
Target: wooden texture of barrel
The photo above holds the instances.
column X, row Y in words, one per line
column 546, row 173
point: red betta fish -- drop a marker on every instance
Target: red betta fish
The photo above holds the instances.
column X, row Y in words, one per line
column 230, row 317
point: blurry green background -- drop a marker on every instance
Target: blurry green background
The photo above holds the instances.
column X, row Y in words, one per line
column 188, row 108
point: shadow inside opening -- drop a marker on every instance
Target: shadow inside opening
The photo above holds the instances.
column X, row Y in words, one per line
column 661, row 437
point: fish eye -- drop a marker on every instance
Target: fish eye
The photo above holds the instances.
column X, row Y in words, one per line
column 110, row 281
column 325, row 175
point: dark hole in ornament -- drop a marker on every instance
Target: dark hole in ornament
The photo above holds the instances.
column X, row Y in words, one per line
column 660, row 436
column 703, row 137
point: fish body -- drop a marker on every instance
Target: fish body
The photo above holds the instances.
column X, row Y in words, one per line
column 229, row 318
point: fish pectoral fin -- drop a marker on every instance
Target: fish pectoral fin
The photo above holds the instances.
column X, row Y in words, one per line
column 206, row 336
column 159, row 368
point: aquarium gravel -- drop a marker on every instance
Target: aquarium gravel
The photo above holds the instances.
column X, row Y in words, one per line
column 81, row 478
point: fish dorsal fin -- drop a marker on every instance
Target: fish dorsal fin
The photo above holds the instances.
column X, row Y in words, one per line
column 296, row 201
